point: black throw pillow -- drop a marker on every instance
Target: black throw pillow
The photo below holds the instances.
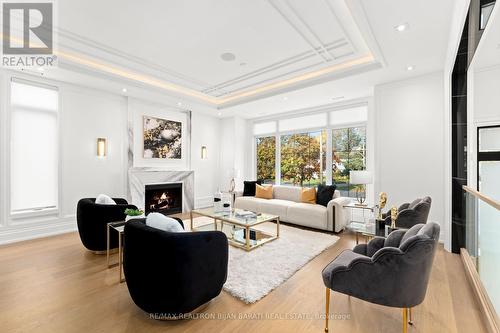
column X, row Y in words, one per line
column 324, row 194
column 249, row 187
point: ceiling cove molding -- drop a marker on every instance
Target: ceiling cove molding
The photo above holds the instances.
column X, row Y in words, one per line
column 323, row 62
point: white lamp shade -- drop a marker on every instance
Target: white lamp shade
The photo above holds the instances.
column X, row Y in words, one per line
column 360, row 177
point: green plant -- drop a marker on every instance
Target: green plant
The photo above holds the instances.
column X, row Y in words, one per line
column 133, row 212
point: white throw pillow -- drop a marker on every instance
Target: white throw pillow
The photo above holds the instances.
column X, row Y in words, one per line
column 162, row 222
column 103, row 199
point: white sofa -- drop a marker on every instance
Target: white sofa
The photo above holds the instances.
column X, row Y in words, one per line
column 287, row 204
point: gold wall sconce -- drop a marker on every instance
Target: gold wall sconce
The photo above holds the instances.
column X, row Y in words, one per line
column 204, row 152
column 101, row 147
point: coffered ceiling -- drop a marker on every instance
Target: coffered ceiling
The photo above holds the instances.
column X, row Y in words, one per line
column 178, row 46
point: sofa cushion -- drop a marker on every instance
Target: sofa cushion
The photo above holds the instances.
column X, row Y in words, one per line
column 291, row 193
column 264, row 192
column 248, row 203
column 249, row 187
column 275, row 207
column 162, row 222
column 314, row 216
column 103, row 199
column 308, row 195
column 325, row 193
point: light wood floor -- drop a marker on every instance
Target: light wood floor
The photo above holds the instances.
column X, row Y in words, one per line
column 55, row 285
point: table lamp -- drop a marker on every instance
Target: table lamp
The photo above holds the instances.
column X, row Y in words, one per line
column 360, row 178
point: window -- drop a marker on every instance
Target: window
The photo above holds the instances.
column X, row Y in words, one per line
column 301, row 159
column 488, row 158
column 312, row 149
column 349, row 153
column 34, row 147
column 485, row 13
column 266, row 159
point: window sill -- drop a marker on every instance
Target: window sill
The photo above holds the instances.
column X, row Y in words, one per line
column 34, row 213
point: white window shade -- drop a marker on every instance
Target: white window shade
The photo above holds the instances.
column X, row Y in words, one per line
column 268, row 127
column 34, row 148
column 304, row 122
column 349, row 116
column 489, row 139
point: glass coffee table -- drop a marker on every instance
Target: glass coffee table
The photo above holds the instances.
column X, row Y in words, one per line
column 370, row 229
column 240, row 230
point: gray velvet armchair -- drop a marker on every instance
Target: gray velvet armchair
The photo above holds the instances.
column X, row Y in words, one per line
column 392, row 272
column 410, row 214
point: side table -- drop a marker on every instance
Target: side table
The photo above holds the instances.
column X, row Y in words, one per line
column 119, row 227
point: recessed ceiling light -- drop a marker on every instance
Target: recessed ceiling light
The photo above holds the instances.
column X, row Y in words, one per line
column 285, row 98
column 228, row 56
column 402, row 27
column 179, row 103
column 219, row 114
column 124, row 90
column 410, row 68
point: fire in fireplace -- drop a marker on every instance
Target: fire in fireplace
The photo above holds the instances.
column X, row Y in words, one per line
column 164, row 198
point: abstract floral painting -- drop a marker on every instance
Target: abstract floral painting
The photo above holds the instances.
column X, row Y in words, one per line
column 162, row 138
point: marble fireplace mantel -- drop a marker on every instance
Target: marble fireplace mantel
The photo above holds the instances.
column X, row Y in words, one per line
column 140, row 177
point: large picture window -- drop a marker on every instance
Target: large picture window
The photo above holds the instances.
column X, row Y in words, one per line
column 34, row 147
column 349, row 153
column 318, row 148
column 301, row 159
column 266, row 159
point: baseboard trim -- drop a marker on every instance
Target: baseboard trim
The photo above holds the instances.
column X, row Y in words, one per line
column 491, row 320
column 20, row 233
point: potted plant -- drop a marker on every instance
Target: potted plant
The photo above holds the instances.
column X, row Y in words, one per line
column 133, row 214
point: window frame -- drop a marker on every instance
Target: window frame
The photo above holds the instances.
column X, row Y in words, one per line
column 329, row 144
column 34, row 212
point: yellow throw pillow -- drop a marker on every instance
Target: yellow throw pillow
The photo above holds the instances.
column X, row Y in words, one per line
column 308, row 195
column 263, row 192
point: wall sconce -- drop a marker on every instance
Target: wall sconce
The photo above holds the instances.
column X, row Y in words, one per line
column 101, row 147
column 203, row 152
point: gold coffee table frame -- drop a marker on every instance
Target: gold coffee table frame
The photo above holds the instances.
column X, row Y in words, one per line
column 235, row 221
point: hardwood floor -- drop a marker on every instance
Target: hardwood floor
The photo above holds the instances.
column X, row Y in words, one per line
column 55, row 285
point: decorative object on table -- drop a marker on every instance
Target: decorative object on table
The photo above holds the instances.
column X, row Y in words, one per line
column 412, row 213
column 394, row 215
column 233, row 173
column 381, row 204
column 218, row 201
column 226, row 207
column 361, row 178
column 162, row 138
column 133, row 214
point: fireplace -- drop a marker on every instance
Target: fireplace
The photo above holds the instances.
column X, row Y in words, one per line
column 163, row 198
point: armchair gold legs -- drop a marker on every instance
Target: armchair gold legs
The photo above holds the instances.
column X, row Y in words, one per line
column 327, row 308
column 407, row 315
column 406, row 319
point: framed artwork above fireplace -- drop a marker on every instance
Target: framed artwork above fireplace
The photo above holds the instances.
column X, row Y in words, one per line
column 162, row 138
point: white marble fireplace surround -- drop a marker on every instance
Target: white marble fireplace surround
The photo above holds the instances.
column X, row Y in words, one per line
column 140, row 177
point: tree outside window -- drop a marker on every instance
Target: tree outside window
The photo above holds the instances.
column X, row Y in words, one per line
column 349, row 153
column 266, row 159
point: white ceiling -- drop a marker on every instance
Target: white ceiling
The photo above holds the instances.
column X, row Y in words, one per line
column 423, row 46
column 296, row 53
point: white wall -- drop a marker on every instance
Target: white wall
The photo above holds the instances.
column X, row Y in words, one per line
column 483, row 110
column 85, row 115
column 205, row 132
column 234, row 151
column 410, row 148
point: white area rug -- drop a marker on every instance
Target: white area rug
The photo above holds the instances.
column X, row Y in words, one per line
column 252, row 275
